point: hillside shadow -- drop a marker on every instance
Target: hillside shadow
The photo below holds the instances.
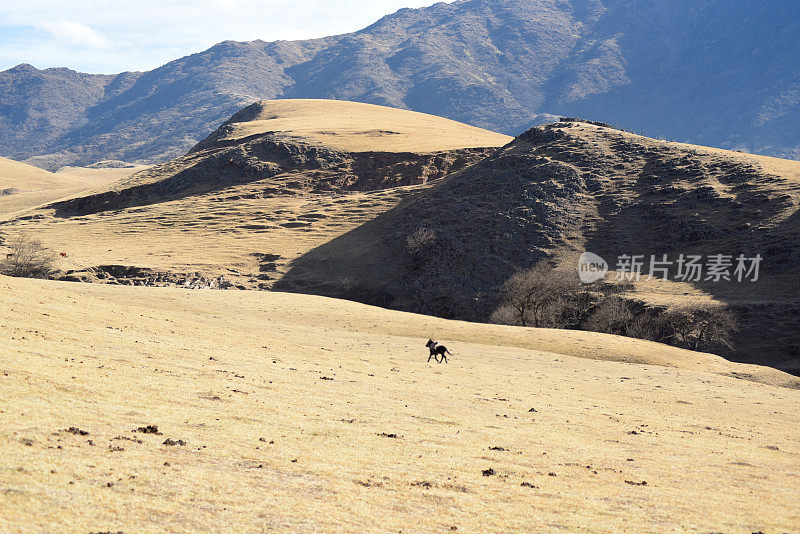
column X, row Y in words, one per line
column 696, row 219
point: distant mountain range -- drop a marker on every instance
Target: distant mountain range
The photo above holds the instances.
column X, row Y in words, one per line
column 723, row 73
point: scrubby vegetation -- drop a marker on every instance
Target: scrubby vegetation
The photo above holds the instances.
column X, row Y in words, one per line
column 28, row 258
column 547, row 298
column 541, row 297
column 418, row 246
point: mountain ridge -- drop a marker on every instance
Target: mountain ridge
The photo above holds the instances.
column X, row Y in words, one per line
column 506, row 66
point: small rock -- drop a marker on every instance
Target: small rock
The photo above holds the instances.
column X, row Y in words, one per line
column 149, row 429
column 488, row 472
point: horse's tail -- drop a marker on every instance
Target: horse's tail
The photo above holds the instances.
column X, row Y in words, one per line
column 448, row 352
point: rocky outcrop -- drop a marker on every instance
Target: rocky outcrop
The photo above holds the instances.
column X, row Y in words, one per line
column 282, row 165
column 564, row 188
column 480, row 225
column 130, row 275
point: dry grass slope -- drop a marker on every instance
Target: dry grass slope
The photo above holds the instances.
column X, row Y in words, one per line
column 282, row 209
column 24, row 186
column 225, row 206
column 337, row 146
column 357, row 127
column 567, row 187
column 289, row 428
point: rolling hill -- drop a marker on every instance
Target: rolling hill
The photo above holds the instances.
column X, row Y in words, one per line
column 24, row 186
column 275, row 198
column 718, row 73
column 568, row 187
column 136, row 409
column 243, row 208
column 340, row 146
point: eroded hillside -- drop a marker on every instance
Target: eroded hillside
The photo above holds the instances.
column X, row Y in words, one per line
column 276, row 180
column 573, row 186
column 325, row 197
column 337, row 146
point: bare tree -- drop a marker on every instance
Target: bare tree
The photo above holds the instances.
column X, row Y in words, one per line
column 544, row 297
column 28, row 258
column 504, row 315
column 703, row 327
column 537, row 295
column 613, row 315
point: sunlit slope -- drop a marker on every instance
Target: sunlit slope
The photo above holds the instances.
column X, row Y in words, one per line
column 24, row 186
column 358, row 127
column 293, row 412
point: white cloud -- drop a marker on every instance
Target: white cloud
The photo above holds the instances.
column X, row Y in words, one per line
column 108, row 36
column 75, row 33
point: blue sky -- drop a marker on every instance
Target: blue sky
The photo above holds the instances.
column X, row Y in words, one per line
column 109, row 36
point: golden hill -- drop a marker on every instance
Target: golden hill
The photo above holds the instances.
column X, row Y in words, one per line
column 286, row 146
column 24, row 186
column 24, row 177
column 276, row 208
column 324, row 415
column 356, row 127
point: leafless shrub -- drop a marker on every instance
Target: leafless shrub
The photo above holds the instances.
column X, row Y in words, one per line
column 702, row 328
column 345, row 284
column 538, row 297
column 418, row 245
column 651, row 324
column 28, row 258
column 613, row 315
column 547, row 298
column 571, row 310
column 627, row 317
column 505, row 315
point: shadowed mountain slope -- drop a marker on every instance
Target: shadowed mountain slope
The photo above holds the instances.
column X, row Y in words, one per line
column 721, row 73
column 564, row 188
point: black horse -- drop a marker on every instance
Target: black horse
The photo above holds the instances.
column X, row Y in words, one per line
column 436, row 351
